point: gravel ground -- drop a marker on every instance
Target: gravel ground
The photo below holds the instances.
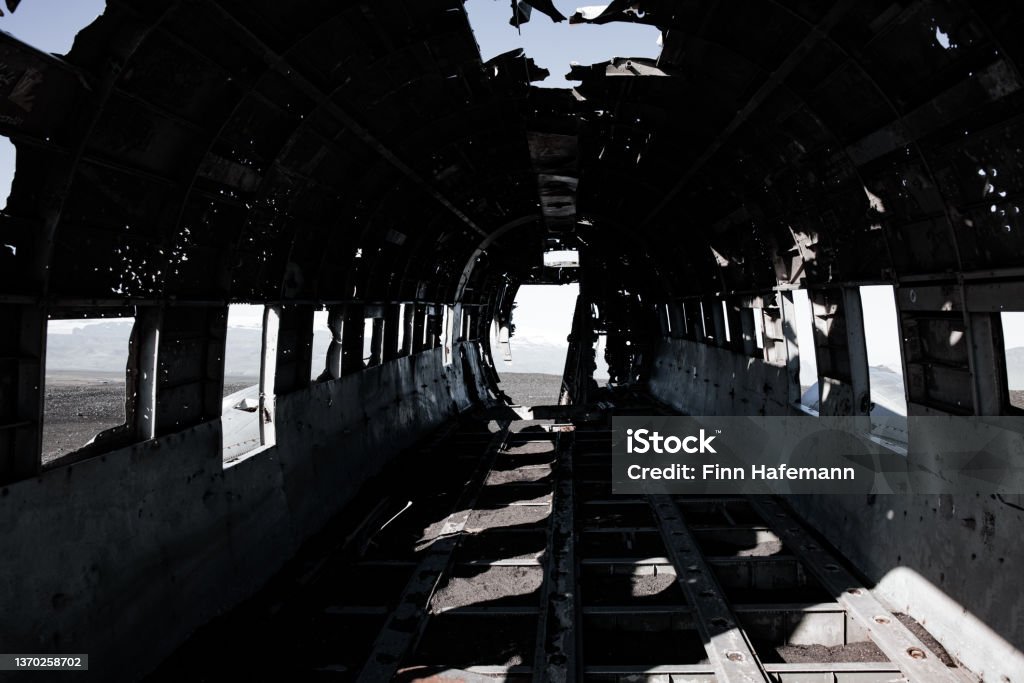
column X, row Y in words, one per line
column 529, row 473
column 77, row 408
column 927, row 638
column 530, row 389
column 80, row 405
column 492, row 586
column 851, row 652
column 512, row 515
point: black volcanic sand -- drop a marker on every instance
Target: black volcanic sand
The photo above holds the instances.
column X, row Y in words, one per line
column 77, row 407
column 531, row 389
column 80, row 405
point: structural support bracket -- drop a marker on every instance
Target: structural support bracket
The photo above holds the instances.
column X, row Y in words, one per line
column 899, row 644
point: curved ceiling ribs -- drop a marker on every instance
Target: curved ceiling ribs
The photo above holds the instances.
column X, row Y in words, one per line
column 234, row 158
column 841, row 147
column 323, row 151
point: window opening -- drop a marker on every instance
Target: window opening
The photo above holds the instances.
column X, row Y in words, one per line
column 1013, row 348
column 542, row 320
column 250, row 355
column 84, row 390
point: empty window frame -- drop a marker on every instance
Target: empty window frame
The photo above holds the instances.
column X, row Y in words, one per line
column 774, row 329
column 431, row 327
column 707, row 331
column 85, row 383
column 250, row 358
column 804, row 330
column 1013, row 350
column 885, row 362
column 403, row 331
column 322, row 337
column 759, row 329
column 448, row 332
column 368, row 328
column 601, row 371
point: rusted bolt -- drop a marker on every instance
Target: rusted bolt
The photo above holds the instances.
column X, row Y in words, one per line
column 734, row 656
column 881, row 620
column 916, row 653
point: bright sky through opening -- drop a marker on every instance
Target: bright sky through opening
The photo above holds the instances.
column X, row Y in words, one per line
column 554, row 46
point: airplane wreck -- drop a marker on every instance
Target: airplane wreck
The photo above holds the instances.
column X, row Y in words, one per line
column 378, row 509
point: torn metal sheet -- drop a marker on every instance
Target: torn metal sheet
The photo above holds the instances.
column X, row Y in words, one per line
column 618, row 10
column 515, row 66
column 588, row 13
column 521, row 11
column 11, row 5
column 619, row 66
column 555, row 160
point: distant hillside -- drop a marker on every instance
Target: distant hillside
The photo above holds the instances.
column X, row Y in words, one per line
column 541, row 357
column 102, row 347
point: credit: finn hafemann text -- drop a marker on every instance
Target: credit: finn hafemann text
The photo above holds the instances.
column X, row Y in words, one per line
column 642, row 441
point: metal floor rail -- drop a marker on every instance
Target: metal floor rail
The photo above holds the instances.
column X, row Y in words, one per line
column 527, row 568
